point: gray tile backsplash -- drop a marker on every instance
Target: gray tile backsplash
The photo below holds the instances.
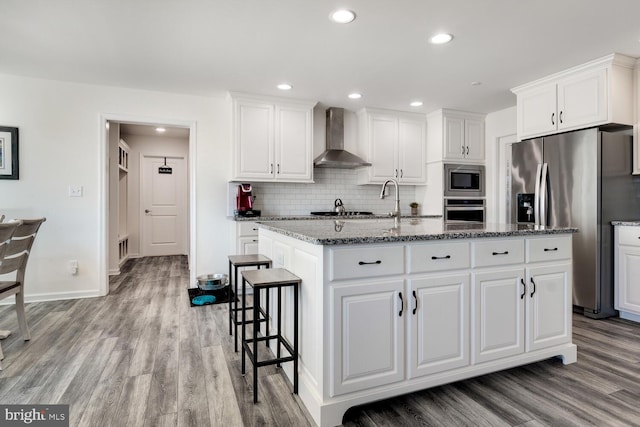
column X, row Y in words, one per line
column 330, row 184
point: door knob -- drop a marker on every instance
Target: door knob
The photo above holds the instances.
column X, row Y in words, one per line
column 147, row 211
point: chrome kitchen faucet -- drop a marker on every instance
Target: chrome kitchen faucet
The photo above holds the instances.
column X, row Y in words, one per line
column 396, row 209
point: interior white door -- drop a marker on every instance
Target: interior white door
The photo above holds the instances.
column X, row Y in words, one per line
column 164, row 206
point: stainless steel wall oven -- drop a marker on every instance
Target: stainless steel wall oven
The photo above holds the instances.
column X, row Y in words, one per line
column 464, row 210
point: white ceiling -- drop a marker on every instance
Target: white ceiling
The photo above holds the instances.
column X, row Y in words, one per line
column 144, row 130
column 206, row 47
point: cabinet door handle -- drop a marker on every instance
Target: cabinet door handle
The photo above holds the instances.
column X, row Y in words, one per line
column 401, row 304
column 467, row 150
column 560, row 116
column 255, row 240
column 553, row 116
column 270, row 168
column 524, row 288
column 369, row 263
column 462, row 150
column 441, row 257
column 254, row 229
column 550, row 249
column 401, row 173
column 396, row 173
column 534, row 287
column 501, row 253
column 415, row 298
column 278, row 168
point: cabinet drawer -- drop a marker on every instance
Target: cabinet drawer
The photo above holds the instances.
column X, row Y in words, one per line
column 498, row 252
column 548, row 249
column 351, row 263
column 629, row 236
column 439, row 256
column 247, row 228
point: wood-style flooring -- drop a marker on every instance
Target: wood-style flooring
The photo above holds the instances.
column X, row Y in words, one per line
column 141, row 356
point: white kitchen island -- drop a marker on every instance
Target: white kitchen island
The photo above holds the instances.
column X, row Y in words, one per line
column 389, row 310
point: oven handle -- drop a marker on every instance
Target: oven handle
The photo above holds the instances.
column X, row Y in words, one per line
column 464, row 208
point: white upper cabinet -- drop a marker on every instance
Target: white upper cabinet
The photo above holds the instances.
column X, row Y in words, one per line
column 272, row 139
column 394, row 143
column 456, row 135
column 592, row 94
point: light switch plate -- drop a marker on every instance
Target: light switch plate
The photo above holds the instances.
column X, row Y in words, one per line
column 75, row 191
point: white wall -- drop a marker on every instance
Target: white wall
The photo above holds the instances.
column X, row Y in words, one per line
column 60, row 144
column 497, row 125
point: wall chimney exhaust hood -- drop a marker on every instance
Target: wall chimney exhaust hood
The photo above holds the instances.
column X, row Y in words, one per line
column 335, row 156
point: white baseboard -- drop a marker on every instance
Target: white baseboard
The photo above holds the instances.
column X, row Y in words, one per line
column 629, row 316
column 54, row 296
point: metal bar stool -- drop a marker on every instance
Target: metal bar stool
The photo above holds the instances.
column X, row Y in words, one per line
column 267, row 279
column 235, row 262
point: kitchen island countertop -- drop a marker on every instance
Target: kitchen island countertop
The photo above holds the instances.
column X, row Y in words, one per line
column 356, row 231
column 627, row 223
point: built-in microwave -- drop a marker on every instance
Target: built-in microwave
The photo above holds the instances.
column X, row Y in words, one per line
column 463, row 180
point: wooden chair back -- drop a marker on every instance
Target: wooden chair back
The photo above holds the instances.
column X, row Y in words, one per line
column 16, row 253
column 7, row 230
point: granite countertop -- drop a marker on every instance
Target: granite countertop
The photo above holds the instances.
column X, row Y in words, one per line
column 316, row 217
column 354, row 231
column 627, row 223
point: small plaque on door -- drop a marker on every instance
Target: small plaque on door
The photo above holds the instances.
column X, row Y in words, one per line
column 165, row 169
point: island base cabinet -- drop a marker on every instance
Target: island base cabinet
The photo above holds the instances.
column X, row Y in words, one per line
column 438, row 324
column 367, row 335
column 498, row 314
column 520, row 310
column 549, row 306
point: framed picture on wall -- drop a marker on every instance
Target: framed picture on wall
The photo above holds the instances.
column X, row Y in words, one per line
column 8, row 153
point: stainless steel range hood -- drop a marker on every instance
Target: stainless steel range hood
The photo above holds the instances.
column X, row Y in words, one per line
column 335, row 156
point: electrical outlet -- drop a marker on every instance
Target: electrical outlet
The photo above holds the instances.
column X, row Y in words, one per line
column 75, row 191
column 72, row 266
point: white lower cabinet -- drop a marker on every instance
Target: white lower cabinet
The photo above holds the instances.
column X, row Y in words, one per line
column 520, row 309
column 549, row 305
column 627, row 271
column 367, row 335
column 438, row 324
column 498, row 314
column 246, row 238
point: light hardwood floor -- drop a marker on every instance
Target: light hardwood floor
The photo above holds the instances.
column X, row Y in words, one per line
column 143, row 357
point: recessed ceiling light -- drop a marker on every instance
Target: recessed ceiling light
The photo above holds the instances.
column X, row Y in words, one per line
column 441, row 38
column 284, row 86
column 355, row 95
column 342, row 16
column 416, row 104
column 161, row 130
column 476, row 83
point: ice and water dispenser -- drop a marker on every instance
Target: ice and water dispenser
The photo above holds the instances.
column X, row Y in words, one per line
column 525, row 208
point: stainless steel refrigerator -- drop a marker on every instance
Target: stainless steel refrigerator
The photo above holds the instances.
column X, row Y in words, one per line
column 579, row 179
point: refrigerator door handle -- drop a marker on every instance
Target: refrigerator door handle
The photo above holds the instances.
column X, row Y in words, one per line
column 543, row 194
column 536, row 196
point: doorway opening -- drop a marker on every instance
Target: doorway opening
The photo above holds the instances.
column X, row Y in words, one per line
column 148, row 189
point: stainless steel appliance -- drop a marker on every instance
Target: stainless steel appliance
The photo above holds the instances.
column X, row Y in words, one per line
column 335, row 156
column 579, row 179
column 463, row 180
column 464, row 210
